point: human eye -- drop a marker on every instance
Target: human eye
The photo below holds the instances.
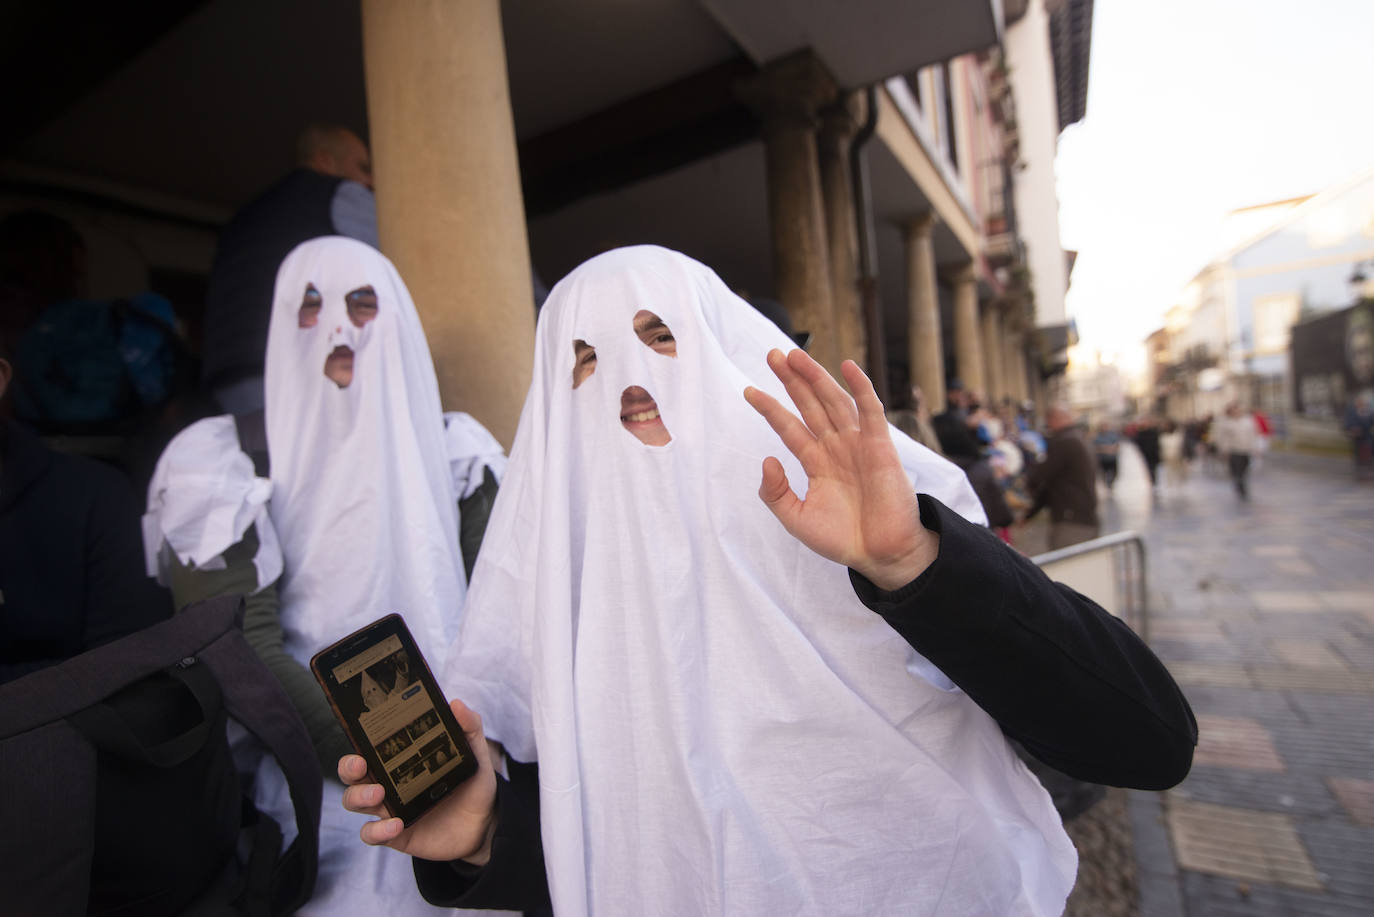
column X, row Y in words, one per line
column 309, row 312
column 584, row 362
column 362, row 305
column 654, row 333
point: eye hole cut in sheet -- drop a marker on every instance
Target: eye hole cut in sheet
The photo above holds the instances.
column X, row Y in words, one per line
column 360, row 306
column 639, row 412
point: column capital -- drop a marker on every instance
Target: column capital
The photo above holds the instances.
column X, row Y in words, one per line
column 790, row 91
column 921, row 225
column 840, row 120
column 961, row 273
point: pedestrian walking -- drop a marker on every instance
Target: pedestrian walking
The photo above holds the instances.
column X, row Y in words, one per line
column 1359, row 427
column 1066, row 482
column 1237, row 437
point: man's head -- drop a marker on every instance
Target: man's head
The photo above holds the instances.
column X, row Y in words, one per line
column 333, row 150
column 1059, row 418
column 955, row 394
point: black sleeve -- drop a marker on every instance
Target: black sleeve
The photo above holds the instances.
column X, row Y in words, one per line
column 1069, row 681
column 473, row 513
column 514, row 878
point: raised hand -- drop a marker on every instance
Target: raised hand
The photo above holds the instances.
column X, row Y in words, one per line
column 860, row 509
column 459, row 827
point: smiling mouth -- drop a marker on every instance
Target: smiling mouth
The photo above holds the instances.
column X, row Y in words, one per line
column 338, row 366
column 639, row 415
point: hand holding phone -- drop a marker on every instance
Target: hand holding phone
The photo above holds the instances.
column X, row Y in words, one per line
column 459, row 827
column 393, row 712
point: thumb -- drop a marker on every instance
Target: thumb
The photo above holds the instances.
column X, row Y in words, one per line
column 777, row 493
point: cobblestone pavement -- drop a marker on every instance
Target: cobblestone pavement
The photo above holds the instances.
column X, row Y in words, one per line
column 1264, row 612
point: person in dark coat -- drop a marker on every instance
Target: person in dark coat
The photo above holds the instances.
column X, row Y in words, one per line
column 1065, row 482
column 959, row 444
column 1146, row 439
column 329, row 193
column 71, row 560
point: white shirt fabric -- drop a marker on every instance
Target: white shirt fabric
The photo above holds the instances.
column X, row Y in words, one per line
column 1239, row 435
column 721, row 726
column 202, row 498
column 363, row 506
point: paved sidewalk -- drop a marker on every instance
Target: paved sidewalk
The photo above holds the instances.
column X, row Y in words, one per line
column 1264, row 612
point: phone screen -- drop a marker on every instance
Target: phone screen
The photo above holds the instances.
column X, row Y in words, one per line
column 383, row 693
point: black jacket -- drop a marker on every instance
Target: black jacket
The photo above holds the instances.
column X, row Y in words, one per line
column 1069, row 681
column 71, row 556
column 1066, row 481
column 238, row 302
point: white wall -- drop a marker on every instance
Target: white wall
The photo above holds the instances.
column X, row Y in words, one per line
column 1031, row 67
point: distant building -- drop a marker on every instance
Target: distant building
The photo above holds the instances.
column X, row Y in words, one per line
column 1229, row 333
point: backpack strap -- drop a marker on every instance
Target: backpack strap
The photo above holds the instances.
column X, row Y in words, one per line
column 108, row 731
column 61, row 690
column 252, row 430
column 261, row 705
column 58, row 763
column 54, row 763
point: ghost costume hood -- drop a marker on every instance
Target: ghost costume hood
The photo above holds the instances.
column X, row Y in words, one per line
column 362, row 491
column 720, row 725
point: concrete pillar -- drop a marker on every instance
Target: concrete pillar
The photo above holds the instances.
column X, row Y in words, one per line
column 924, row 348
column 838, row 125
column 994, row 355
column 968, row 343
column 449, row 208
column 787, row 96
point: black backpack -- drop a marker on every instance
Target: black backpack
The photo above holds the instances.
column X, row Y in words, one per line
column 120, row 794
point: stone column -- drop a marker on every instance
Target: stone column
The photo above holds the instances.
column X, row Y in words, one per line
column 838, row 125
column 1014, row 366
column 449, row 208
column 1023, row 368
column 994, row 355
column 924, row 348
column 787, row 96
column 968, row 344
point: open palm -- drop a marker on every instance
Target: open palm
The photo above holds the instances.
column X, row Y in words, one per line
column 860, row 509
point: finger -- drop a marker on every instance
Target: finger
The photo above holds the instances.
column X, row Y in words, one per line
column 872, row 418
column 777, row 494
column 793, row 433
column 383, row 831
column 812, row 411
column 365, row 799
column 352, row 769
column 835, row 401
column 471, row 723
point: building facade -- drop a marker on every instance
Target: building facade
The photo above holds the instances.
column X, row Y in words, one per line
column 859, row 163
column 1230, row 331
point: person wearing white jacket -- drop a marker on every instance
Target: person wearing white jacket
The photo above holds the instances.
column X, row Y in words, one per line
column 1238, row 437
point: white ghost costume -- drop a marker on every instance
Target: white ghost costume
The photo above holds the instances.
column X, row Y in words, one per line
column 359, row 517
column 721, row 727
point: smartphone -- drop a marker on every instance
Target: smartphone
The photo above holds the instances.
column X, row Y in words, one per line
column 392, row 710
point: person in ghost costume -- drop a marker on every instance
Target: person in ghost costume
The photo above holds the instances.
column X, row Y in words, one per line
column 721, row 723
column 356, row 515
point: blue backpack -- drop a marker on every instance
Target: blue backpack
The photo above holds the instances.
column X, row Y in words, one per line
column 95, row 363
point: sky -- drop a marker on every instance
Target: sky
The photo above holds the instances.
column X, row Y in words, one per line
column 1196, row 108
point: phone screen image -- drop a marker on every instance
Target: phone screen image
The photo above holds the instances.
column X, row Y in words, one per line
column 383, row 693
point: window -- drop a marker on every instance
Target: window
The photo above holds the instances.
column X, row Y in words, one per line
column 1274, row 316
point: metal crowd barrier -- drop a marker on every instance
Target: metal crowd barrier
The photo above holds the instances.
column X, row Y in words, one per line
column 1109, row 570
